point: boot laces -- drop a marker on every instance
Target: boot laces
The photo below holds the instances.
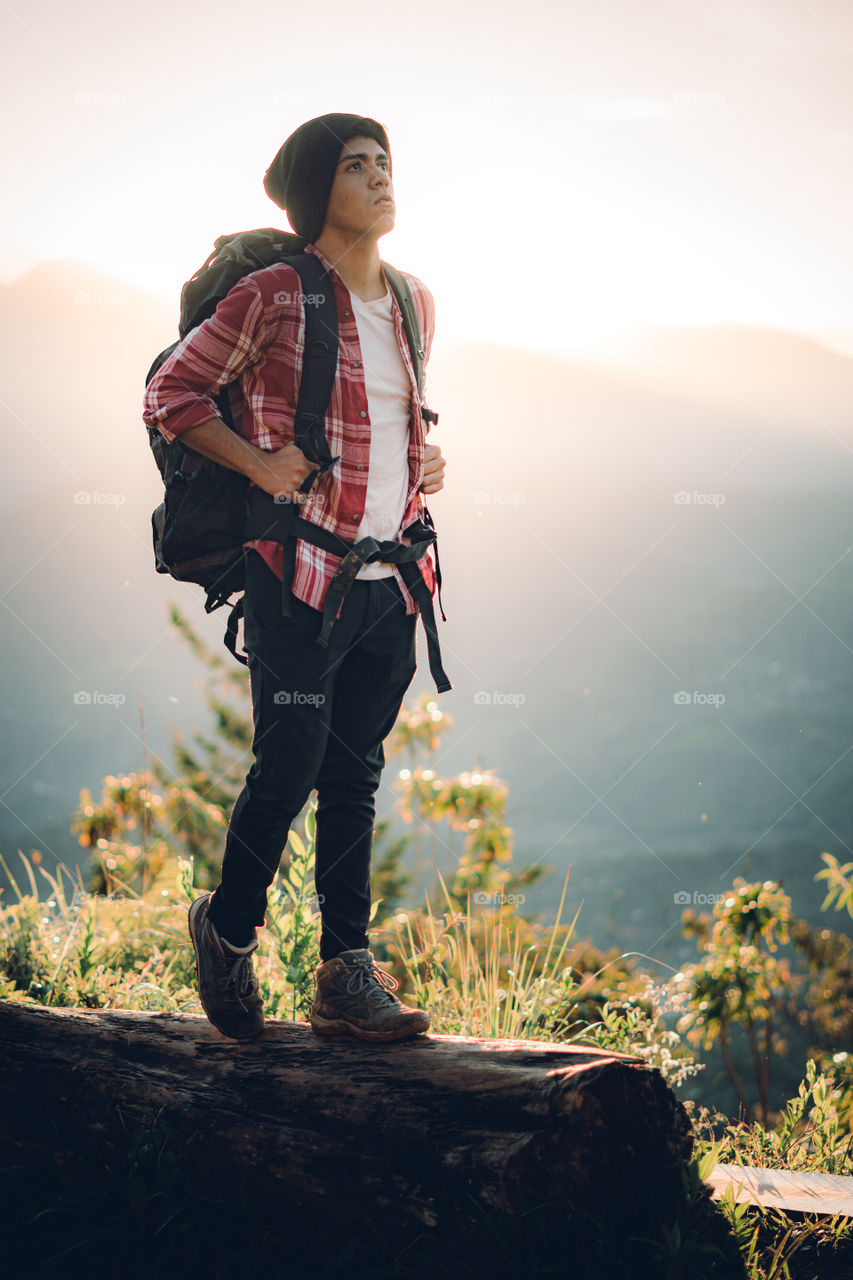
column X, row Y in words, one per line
column 242, row 976
column 375, row 983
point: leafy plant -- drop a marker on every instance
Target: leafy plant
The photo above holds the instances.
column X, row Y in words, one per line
column 637, row 1025
column 294, row 921
column 839, row 884
column 740, row 981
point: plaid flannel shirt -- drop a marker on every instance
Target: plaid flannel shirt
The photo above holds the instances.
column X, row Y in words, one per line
column 253, row 344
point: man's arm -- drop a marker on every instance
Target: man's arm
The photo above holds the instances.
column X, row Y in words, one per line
column 276, row 471
column 178, row 398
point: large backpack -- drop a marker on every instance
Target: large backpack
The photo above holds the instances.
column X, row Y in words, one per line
column 199, row 527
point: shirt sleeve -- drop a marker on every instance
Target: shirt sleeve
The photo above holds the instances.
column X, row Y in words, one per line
column 178, row 397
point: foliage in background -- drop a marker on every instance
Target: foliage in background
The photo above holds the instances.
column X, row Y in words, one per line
column 472, row 803
column 481, row 966
column 69, row 947
column 740, row 981
column 744, row 985
column 838, row 882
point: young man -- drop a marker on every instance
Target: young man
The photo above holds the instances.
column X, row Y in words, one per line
column 320, row 713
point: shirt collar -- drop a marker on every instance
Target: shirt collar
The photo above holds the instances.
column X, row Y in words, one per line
column 312, row 248
column 395, row 310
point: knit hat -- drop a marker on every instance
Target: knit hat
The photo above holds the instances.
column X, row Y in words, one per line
column 300, row 178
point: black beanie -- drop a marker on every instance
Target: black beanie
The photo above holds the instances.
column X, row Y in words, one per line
column 300, row 177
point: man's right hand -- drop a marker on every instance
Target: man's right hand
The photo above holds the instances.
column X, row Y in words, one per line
column 278, row 471
column 282, row 471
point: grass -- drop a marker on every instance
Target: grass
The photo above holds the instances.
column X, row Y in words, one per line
column 481, row 973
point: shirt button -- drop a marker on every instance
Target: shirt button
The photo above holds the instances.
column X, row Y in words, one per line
column 357, row 519
column 362, row 414
column 347, row 313
column 356, row 364
column 359, row 466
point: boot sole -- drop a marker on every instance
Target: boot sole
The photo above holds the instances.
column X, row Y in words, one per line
column 339, row 1029
column 193, row 914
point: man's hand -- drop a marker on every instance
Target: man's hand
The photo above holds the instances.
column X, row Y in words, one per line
column 275, row 471
column 282, row 471
column 434, row 465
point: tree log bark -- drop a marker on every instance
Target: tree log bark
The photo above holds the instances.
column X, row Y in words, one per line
column 441, row 1134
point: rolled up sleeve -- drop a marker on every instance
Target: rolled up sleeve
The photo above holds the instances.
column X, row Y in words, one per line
column 178, row 397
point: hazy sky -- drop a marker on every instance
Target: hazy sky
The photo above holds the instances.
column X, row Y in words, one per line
column 560, row 168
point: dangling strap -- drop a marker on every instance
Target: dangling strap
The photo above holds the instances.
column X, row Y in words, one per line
column 428, row 521
column 231, row 632
column 365, row 551
column 413, row 578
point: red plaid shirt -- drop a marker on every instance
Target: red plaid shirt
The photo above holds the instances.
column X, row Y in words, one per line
column 254, row 341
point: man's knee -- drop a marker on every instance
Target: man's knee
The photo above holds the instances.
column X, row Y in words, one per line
column 349, row 787
column 279, row 787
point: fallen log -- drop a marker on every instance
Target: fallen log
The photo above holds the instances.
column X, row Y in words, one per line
column 451, row 1137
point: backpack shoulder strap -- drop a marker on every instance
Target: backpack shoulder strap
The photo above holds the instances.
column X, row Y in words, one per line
column 403, row 294
column 319, row 362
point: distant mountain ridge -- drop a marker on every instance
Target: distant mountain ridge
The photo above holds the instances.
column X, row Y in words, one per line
column 774, row 370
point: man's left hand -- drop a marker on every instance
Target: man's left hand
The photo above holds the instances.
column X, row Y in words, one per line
column 434, row 465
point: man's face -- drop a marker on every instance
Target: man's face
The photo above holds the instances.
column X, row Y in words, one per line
column 361, row 202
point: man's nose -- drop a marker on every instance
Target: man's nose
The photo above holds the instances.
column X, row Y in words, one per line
column 380, row 176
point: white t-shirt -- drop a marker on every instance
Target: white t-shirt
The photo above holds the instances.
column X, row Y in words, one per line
column 389, row 400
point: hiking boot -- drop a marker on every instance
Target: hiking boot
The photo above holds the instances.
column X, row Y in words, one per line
column 227, row 984
column 353, row 998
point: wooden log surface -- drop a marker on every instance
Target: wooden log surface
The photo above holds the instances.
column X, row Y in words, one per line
column 431, row 1130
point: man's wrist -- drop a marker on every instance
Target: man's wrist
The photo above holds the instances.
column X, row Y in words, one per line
column 213, row 439
column 255, row 463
